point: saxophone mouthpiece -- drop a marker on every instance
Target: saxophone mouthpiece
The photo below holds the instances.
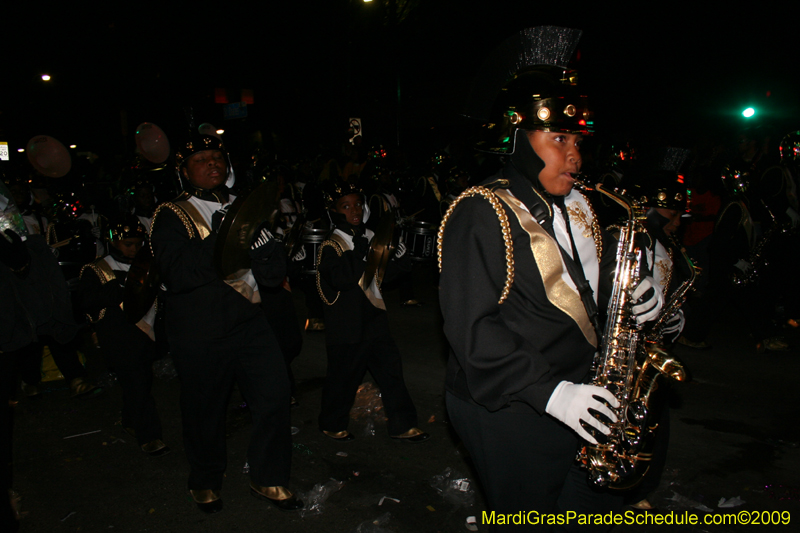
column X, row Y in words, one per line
column 579, row 183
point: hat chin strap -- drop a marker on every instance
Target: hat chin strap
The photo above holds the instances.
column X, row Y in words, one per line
column 527, row 161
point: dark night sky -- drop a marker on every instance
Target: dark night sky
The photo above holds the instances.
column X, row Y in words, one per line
column 672, row 73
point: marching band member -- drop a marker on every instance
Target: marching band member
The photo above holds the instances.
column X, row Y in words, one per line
column 522, row 258
column 129, row 350
column 357, row 329
column 219, row 335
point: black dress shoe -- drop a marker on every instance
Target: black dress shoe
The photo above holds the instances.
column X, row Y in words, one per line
column 208, row 501
column 413, row 435
column 339, row 435
column 290, row 503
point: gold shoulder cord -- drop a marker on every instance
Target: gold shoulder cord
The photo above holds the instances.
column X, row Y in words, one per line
column 504, row 226
column 338, row 250
column 187, row 222
column 103, row 280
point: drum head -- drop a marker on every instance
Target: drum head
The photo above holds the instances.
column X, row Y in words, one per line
column 141, row 286
column 245, row 215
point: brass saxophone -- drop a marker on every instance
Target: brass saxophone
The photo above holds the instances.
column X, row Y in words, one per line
column 629, row 364
column 757, row 257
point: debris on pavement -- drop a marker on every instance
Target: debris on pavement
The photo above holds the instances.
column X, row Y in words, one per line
column 454, row 487
column 315, row 498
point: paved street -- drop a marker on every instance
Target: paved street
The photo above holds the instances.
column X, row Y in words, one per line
column 734, row 434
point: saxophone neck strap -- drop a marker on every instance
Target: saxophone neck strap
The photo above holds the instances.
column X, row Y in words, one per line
column 542, row 212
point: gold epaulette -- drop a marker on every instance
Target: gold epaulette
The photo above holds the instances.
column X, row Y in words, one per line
column 338, row 249
column 180, row 213
column 486, row 192
column 104, row 273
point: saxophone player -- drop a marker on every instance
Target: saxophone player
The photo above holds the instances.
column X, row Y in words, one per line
column 522, row 258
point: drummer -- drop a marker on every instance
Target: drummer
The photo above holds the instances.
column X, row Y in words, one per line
column 219, row 335
column 357, row 333
column 128, row 348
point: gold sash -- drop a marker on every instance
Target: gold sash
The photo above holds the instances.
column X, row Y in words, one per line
column 549, row 262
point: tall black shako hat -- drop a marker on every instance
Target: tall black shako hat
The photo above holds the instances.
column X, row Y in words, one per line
column 656, row 178
column 525, row 84
column 125, row 226
column 337, row 188
column 194, row 144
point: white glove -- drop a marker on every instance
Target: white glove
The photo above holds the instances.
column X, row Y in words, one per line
column 674, row 326
column 794, row 216
column 96, row 232
column 299, row 256
column 647, row 309
column 401, row 250
column 745, row 267
column 571, row 403
column 263, row 238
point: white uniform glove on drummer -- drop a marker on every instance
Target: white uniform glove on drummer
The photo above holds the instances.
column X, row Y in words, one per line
column 571, row 404
column 401, row 250
column 263, row 245
column 647, row 299
column 299, row 256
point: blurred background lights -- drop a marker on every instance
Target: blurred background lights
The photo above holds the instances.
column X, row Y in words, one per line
column 45, row 77
column 749, row 112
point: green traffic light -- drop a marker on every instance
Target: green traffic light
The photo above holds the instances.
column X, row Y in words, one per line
column 749, row 112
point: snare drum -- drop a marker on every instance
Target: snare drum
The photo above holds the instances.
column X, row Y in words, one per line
column 311, row 241
column 420, row 239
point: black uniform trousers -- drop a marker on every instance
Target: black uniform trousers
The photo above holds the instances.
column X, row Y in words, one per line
column 347, row 364
column 208, row 368
column 65, row 356
column 133, row 364
column 526, row 462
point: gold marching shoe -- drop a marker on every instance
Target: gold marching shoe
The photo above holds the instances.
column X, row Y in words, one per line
column 414, row 435
column 155, row 448
column 80, row 389
column 207, row 500
column 280, row 497
column 343, row 435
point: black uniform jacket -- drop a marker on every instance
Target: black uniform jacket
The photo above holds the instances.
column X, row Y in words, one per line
column 510, row 355
column 198, row 303
column 352, row 317
column 100, row 298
